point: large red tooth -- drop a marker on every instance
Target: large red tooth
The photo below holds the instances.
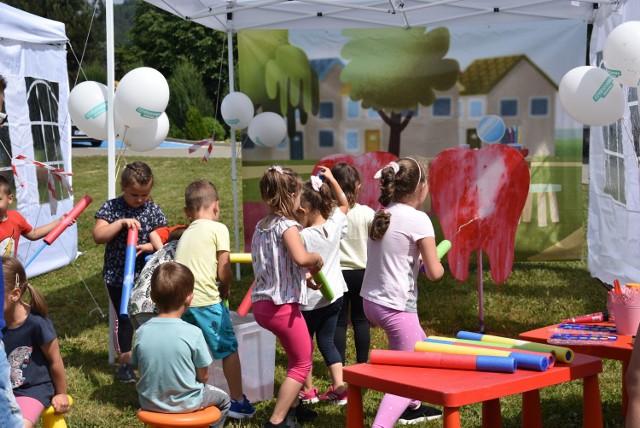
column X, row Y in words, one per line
column 478, row 196
column 367, row 165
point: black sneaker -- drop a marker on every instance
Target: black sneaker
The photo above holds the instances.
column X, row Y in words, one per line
column 421, row 414
column 287, row 423
column 302, row 413
column 125, row 373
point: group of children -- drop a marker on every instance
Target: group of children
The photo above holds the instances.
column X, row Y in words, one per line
column 178, row 311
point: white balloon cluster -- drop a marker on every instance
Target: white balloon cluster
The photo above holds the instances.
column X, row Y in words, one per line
column 265, row 129
column 140, row 101
column 592, row 95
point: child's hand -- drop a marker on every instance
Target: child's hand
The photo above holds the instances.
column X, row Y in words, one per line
column 144, row 248
column 130, row 223
column 224, row 290
column 60, row 403
column 312, row 285
column 325, row 172
column 64, row 215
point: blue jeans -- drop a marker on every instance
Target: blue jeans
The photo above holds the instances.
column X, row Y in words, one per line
column 9, row 410
column 322, row 322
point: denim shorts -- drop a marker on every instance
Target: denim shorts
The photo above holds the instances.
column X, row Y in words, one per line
column 216, row 326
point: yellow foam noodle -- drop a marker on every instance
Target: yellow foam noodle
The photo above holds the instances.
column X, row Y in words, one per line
column 454, row 349
column 562, row 353
column 240, row 257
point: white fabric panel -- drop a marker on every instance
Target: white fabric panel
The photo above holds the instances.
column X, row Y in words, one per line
column 33, row 47
column 613, row 233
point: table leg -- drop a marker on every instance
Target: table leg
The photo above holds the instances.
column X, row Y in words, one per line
column 355, row 414
column 625, row 397
column 491, row 414
column 591, row 405
column 451, row 417
column 531, row 414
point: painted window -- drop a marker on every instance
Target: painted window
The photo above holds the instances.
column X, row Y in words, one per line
column 326, row 110
column 325, row 138
column 441, row 107
column 353, row 109
column 372, row 114
column 539, row 107
column 508, row 108
column 476, row 108
column 351, row 138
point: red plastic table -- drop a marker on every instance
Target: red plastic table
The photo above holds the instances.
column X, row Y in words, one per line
column 454, row 388
column 618, row 350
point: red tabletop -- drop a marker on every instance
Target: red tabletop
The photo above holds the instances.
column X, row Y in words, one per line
column 454, row 388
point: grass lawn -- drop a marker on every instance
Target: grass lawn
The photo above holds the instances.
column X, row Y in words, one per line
column 535, row 295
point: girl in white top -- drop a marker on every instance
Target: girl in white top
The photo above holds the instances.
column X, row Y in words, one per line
column 280, row 264
column 399, row 234
column 324, row 226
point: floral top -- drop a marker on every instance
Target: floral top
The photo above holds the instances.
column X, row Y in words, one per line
column 150, row 217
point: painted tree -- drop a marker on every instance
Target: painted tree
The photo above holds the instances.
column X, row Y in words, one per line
column 393, row 70
column 277, row 76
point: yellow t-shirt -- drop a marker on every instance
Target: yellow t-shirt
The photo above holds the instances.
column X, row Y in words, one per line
column 197, row 249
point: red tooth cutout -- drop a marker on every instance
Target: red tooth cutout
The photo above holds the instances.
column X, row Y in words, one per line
column 478, row 196
column 367, row 165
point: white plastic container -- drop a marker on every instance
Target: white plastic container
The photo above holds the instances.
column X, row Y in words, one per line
column 257, row 350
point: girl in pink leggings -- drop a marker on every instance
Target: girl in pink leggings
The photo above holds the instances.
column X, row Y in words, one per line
column 280, row 264
column 399, row 235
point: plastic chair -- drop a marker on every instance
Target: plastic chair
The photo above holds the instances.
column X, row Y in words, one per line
column 198, row 419
column 52, row 420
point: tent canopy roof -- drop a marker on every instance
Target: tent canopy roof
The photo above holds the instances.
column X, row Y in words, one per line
column 16, row 24
column 235, row 15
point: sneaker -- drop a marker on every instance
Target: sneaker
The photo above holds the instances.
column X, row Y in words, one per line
column 302, row 413
column 309, row 397
column 241, row 409
column 331, row 396
column 421, row 414
column 287, row 423
column 125, row 373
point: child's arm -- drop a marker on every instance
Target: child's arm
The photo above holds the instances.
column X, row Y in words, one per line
column 59, row 401
column 225, row 275
column 301, row 257
column 202, row 374
column 155, row 241
column 41, row 231
column 432, row 266
column 343, row 202
column 104, row 232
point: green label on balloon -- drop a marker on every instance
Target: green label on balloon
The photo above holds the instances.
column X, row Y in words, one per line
column 613, row 73
column 233, row 121
column 96, row 111
column 148, row 114
column 604, row 89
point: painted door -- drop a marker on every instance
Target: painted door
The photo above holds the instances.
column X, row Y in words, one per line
column 296, row 148
column 372, row 140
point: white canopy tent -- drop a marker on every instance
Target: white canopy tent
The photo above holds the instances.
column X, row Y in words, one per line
column 33, row 52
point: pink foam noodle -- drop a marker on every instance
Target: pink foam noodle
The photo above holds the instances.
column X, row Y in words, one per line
column 68, row 219
column 443, row 361
column 245, row 305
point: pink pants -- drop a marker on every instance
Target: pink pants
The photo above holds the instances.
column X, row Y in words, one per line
column 287, row 323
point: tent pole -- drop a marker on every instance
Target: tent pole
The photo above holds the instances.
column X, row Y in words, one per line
column 111, row 143
column 234, row 178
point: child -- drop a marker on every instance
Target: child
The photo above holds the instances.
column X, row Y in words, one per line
column 324, row 227
column 169, row 351
column 204, row 248
column 353, row 260
column 37, row 370
column 141, row 307
column 399, row 235
column 133, row 209
column 13, row 225
column 159, row 237
column 280, row 264
column 9, row 409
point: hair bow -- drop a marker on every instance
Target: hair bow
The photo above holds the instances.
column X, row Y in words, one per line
column 316, row 182
column 392, row 164
column 276, row 168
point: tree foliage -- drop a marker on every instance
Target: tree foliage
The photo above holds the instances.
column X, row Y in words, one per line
column 394, row 70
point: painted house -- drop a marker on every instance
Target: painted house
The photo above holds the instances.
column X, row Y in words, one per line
column 511, row 87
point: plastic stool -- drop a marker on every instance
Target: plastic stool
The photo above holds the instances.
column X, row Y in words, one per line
column 198, row 419
column 50, row 419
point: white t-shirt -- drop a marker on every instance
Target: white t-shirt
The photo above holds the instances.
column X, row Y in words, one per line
column 391, row 275
column 325, row 239
column 353, row 247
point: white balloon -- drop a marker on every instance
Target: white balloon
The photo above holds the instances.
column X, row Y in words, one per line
column 591, row 96
column 88, row 109
column 621, row 53
column 267, row 129
column 142, row 96
column 237, row 110
column 147, row 137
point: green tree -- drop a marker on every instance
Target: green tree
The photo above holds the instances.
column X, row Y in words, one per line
column 277, row 76
column 393, row 70
column 84, row 25
column 187, row 90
